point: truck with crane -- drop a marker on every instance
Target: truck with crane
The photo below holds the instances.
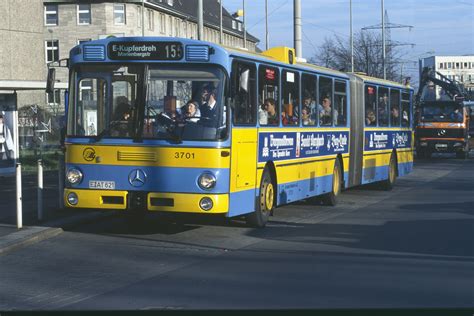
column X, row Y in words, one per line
column 443, row 115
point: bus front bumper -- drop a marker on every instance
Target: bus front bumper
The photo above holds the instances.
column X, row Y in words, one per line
column 151, row 201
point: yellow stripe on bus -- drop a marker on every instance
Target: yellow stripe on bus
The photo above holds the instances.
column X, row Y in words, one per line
column 149, row 156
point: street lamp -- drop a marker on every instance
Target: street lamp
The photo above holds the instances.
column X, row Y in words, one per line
column 241, row 13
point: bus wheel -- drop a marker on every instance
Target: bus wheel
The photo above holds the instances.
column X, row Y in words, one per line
column 331, row 197
column 265, row 202
column 392, row 174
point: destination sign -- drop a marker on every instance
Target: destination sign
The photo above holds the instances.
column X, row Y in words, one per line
column 145, row 50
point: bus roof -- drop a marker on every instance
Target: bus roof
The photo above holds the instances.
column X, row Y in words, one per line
column 379, row 81
column 232, row 51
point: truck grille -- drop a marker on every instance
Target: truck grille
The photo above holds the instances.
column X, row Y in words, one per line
column 440, row 133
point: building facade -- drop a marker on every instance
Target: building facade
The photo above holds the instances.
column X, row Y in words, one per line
column 67, row 24
column 459, row 68
column 37, row 32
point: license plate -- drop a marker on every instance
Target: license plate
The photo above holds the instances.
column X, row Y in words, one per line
column 106, row 185
column 441, row 146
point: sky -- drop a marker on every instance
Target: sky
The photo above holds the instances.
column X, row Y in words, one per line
column 439, row 27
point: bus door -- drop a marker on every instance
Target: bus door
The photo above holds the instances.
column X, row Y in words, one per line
column 244, row 138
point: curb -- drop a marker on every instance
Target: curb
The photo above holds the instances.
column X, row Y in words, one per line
column 34, row 234
column 26, row 237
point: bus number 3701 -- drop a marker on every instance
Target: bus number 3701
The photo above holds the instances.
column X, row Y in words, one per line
column 183, row 155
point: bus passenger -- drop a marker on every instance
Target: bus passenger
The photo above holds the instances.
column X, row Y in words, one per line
column 382, row 110
column 326, row 111
column 306, row 116
column 262, row 115
column 370, row 119
column 395, row 117
column 287, row 117
column 272, row 117
column 309, row 102
column 191, row 111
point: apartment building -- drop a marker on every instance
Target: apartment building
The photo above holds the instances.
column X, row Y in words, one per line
column 459, row 68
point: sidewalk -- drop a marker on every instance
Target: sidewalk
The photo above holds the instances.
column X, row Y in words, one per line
column 54, row 221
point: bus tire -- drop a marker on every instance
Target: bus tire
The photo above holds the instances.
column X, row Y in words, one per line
column 331, row 197
column 392, row 174
column 265, row 202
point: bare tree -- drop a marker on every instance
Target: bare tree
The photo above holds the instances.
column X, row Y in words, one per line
column 335, row 53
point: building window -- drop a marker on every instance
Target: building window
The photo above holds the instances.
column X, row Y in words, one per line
column 51, row 14
column 176, row 27
column 119, row 14
column 239, row 26
column 83, row 14
column 53, row 97
column 162, row 23
column 52, row 51
column 151, row 24
column 465, row 65
column 449, row 65
column 169, row 26
column 457, row 65
column 83, row 40
column 440, row 65
column 234, row 24
column 139, row 16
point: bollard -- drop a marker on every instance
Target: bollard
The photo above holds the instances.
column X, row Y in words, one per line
column 61, row 182
column 40, row 190
column 19, row 203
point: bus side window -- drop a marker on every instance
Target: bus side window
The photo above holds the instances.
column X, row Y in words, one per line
column 383, row 106
column 243, row 93
column 290, row 98
column 340, row 103
column 327, row 115
column 268, row 95
column 405, row 109
column 309, row 108
column 370, row 106
column 395, row 108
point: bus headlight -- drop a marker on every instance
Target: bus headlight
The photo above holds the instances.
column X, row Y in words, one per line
column 207, row 181
column 74, row 176
column 72, row 198
column 206, row 203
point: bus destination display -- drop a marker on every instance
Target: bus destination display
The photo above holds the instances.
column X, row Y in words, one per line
column 145, row 50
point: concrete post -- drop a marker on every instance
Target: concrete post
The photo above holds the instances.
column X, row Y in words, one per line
column 297, row 28
column 19, row 202
column 40, row 190
column 200, row 21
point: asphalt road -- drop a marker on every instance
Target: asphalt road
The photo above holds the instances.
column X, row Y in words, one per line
column 411, row 247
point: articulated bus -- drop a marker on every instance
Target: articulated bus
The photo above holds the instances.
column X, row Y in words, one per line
column 180, row 125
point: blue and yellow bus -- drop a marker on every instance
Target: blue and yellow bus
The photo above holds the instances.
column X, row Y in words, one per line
column 180, row 125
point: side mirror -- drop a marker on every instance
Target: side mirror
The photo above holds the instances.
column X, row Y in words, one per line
column 50, row 80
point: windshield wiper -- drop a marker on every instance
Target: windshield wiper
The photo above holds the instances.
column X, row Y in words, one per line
column 102, row 134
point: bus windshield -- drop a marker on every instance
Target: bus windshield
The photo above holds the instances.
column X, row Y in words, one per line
column 177, row 102
column 442, row 112
column 184, row 102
